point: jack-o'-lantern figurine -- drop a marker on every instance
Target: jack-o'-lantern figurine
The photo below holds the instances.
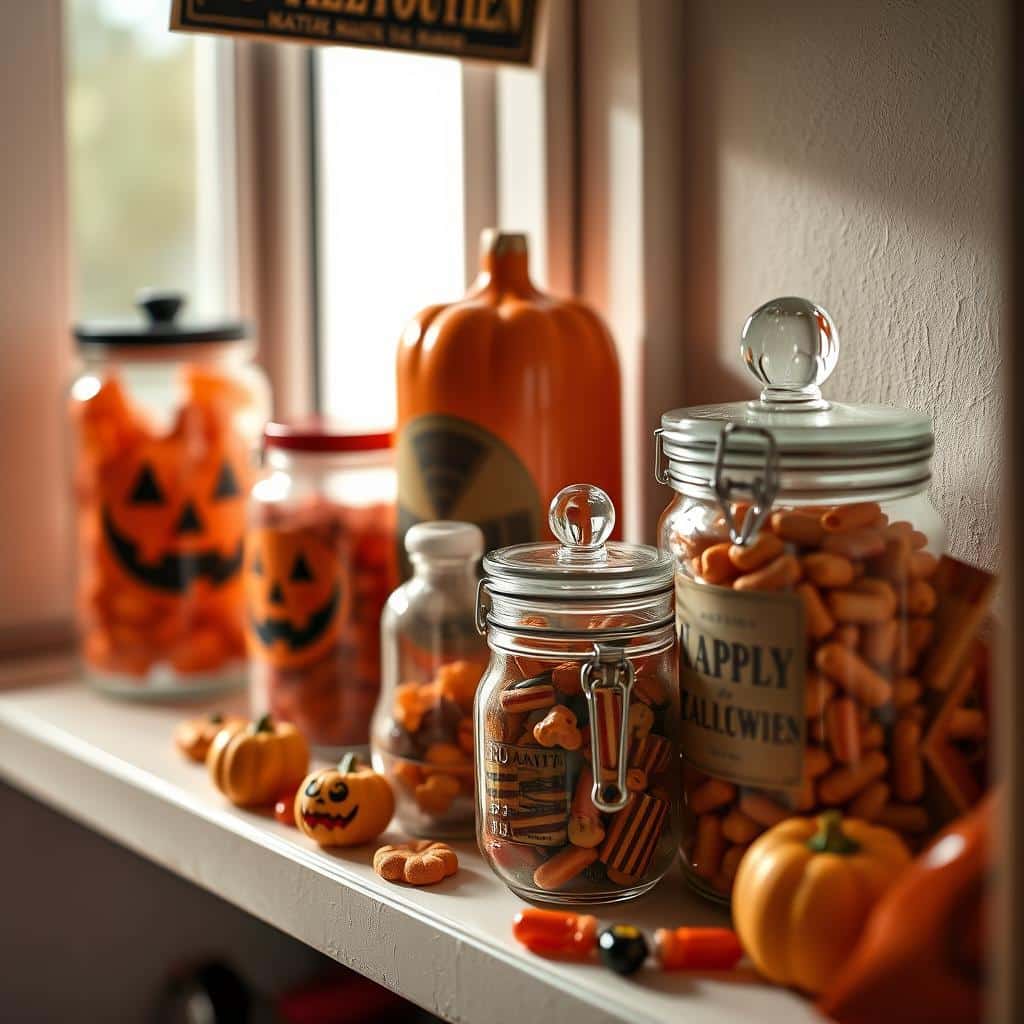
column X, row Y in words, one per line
column 319, row 566
column 166, row 417
column 344, row 806
column 296, row 595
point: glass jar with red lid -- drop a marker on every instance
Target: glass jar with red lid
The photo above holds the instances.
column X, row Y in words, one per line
column 319, row 566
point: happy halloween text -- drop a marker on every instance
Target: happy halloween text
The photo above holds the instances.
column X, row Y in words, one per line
column 736, row 666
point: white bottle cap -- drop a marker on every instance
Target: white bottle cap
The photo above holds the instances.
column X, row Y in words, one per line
column 445, row 539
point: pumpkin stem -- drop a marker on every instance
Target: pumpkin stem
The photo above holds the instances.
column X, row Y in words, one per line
column 349, row 763
column 830, row 837
column 216, row 718
column 265, row 724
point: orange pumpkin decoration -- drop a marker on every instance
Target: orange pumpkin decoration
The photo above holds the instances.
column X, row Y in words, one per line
column 503, row 397
column 804, row 890
column 296, row 596
column 344, row 806
column 252, row 767
column 923, row 955
column 194, row 736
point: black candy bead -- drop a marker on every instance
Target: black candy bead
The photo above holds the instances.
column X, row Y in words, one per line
column 622, row 947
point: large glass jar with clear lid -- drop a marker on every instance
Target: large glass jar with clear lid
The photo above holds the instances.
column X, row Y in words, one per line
column 576, row 753
column 808, row 573
column 166, row 419
column 432, row 659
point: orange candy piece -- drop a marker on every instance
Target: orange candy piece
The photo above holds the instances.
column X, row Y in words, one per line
column 458, row 682
column 556, row 932
column 697, row 949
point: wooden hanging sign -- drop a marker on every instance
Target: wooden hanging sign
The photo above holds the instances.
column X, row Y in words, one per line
column 492, row 30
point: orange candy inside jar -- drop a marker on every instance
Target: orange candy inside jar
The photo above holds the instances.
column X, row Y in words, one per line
column 160, row 499
column 317, row 576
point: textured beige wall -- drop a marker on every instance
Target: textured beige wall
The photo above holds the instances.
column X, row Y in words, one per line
column 850, row 153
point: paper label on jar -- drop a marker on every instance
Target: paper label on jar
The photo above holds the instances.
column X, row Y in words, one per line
column 449, row 468
column 741, row 682
column 527, row 794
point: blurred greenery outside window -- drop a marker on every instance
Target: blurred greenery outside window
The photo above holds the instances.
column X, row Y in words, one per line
column 135, row 149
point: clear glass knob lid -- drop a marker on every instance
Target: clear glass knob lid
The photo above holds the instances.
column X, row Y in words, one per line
column 585, row 562
column 581, row 517
column 790, row 346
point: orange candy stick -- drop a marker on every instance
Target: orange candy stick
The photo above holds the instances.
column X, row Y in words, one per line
column 697, row 949
column 556, row 932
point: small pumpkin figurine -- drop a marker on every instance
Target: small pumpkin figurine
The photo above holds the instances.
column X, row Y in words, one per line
column 344, row 806
column 253, row 766
column 803, row 893
column 194, row 736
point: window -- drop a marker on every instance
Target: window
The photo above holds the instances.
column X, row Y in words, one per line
column 391, row 221
column 144, row 159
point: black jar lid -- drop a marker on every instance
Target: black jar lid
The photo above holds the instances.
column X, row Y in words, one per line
column 159, row 325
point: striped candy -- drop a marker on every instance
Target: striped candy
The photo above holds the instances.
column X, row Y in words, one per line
column 651, row 754
column 633, row 834
column 532, row 697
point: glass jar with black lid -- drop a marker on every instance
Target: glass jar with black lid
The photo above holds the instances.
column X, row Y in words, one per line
column 166, row 416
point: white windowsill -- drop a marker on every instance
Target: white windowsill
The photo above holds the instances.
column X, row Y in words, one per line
column 448, row 948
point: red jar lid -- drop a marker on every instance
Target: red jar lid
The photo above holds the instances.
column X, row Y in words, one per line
column 320, row 435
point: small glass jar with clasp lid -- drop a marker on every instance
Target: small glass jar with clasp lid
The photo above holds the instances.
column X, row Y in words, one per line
column 576, row 715
column 808, row 576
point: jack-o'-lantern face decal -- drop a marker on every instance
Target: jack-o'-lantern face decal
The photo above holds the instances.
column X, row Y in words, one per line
column 174, row 512
column 295, row 595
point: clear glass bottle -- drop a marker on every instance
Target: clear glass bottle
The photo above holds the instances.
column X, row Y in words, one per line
column 808, row 573
column 577, row 801
column 320, row 563
column 432, row 659
column 166, row 418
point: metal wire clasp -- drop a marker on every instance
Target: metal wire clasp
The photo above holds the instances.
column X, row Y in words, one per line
column 660, row 465
column 761, row 490
column 607, row 681
column 483, row 605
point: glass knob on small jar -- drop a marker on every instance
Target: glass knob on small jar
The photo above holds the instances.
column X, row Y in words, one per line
column 581, row 517
column 432, row 658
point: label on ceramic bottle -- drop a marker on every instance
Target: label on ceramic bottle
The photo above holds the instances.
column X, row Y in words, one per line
column 449, row 468
column 741, row 682
column 527, row 794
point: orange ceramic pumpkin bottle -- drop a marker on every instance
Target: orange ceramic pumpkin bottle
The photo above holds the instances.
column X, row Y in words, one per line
column 505, row 397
